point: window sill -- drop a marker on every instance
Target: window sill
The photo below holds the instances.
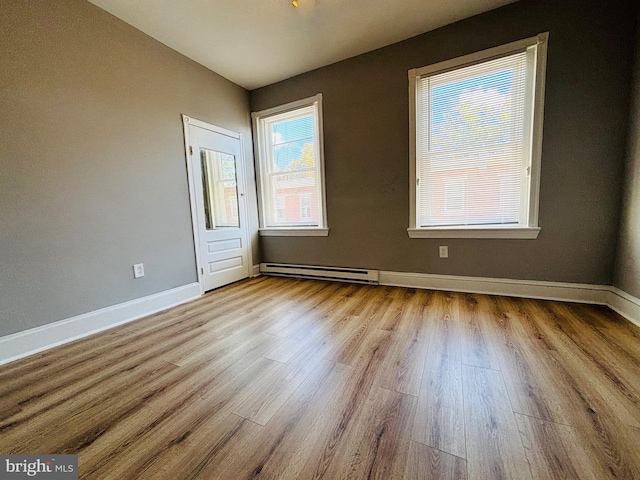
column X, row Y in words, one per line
column 294, row 232
column 528, row 233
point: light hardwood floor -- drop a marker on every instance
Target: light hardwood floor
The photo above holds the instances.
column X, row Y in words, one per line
column 276, row 378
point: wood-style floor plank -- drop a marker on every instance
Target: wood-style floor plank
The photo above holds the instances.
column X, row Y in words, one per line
column 376, row 442
column 609, row 359
column 426, row 463
column 595, row 407
column 494, row 448
column 317, row 324
column 405, row 363
column 144, row 436
column 275, row 378
column 276, row 384
column 280, row 450
column 439, row 419
column 478, row 349
column 554, row 451
column 525, row 361
column 595, row 377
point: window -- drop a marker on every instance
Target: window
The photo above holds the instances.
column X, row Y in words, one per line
column 291, row 169
column 305, row 207
column 476, row 140
column 281, row 208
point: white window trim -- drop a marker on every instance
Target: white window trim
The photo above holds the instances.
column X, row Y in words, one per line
column 529, row 231
column 294, row 232
column 316, row 231
column 493, row 231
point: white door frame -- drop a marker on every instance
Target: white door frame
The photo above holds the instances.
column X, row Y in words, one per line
column 186, row 122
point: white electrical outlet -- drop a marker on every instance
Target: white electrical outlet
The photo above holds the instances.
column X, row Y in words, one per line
column 138, row 270
column 444, row 251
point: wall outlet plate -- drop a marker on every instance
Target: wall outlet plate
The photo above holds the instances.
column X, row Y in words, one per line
column 444, row 251
column 138, row 270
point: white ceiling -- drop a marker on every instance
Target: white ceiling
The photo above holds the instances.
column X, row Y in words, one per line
column 257, row 42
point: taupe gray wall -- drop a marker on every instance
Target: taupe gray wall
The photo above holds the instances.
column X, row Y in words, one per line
column 365, row 106
column 627, row 275
column 92, row 164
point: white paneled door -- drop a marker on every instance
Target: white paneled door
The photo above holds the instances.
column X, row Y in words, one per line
column 217, row 172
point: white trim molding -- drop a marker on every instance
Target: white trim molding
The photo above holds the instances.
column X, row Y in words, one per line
column 528, row 233
column 617, row 300
column 566, row 292
column 255, row 270
column 625, row 304
column 294, row 232
column 621, row 302
column 34, row 340
column 208, row 126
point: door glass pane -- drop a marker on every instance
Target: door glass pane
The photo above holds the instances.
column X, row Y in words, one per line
column 220, row 189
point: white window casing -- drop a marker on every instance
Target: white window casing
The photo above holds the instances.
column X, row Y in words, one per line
column 475, row 143
column 290, row 166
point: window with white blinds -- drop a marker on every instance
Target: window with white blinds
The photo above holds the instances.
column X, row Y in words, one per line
column 475, row 128
column 290, row 167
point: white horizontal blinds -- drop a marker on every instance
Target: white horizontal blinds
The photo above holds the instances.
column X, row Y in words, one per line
column 292, row 168
column 471, row 143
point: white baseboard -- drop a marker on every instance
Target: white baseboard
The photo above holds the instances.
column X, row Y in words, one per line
column 34, row 340
column 626, row 305
column 255, row 270
column 569, row 292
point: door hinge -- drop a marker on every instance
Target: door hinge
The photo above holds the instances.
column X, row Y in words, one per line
column 201, row 271
column 190, row 150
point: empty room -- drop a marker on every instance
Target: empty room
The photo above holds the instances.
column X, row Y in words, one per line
column 318, row 239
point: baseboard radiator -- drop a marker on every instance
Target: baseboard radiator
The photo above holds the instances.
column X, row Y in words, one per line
column 358, row 275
